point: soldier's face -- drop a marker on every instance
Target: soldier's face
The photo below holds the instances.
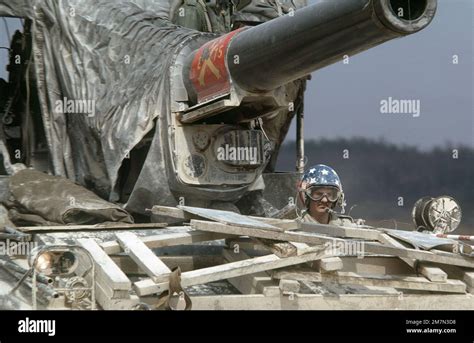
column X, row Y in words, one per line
column 321, row 205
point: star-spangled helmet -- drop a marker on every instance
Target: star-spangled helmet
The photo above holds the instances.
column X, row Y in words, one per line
column 323, row 176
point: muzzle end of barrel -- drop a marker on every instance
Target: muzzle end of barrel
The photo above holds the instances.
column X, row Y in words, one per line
column 405, row 16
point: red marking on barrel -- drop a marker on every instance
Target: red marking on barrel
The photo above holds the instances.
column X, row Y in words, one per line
column 209, row 74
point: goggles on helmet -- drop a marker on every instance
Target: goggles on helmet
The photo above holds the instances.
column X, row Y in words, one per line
column 318, row 193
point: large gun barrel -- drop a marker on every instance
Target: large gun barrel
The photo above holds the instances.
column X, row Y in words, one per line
column 272, row 54
column 233, row 92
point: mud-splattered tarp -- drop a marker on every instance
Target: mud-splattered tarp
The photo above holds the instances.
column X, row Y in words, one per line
column 116, row 55
column 39, row 198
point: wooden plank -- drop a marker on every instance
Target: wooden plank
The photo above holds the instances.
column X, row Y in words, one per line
column 96, row 227
column 106, row 269
column 287, row 249
column 408, row 282
column 432, row 273
column 401, row 282
column 341, row 231
column 299, row 274
column 143, row 256
column 229, row 218
column 268, row 290
column 467, row 275
column 455, row 272
column 185, row 263
column 253, row 284
column 167, row 239
column 312, row 238
column 249, row 266
column 114, row 304
column 107, row 297
column 285, row 224
column 422, row 240
column 227, row 271
column 172, row 239
column 281, row 249
column 303, row 248
column 341, row 302
column 336, row 289
column 469, row 278
column 250, row 283
column 178, row 213
column 289, row 286
column 172, row 212
column 245, row 243
column 383, row 265
column 390, row 241
column 466, row 249
column 290, row 236
column 106, row 288
column 329, row 264
column 111, row 247
column 438, row 257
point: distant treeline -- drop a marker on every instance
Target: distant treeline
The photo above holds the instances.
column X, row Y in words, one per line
column 375, row 174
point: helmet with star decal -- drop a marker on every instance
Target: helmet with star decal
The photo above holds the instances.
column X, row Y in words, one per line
column 322, row 175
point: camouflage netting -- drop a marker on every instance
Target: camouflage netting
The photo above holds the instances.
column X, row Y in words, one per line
column 118, row 54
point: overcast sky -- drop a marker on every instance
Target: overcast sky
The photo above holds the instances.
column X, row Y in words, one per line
column 344, row 100
column 13, row 24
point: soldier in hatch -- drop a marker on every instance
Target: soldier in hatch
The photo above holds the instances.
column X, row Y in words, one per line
column 320, row 191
